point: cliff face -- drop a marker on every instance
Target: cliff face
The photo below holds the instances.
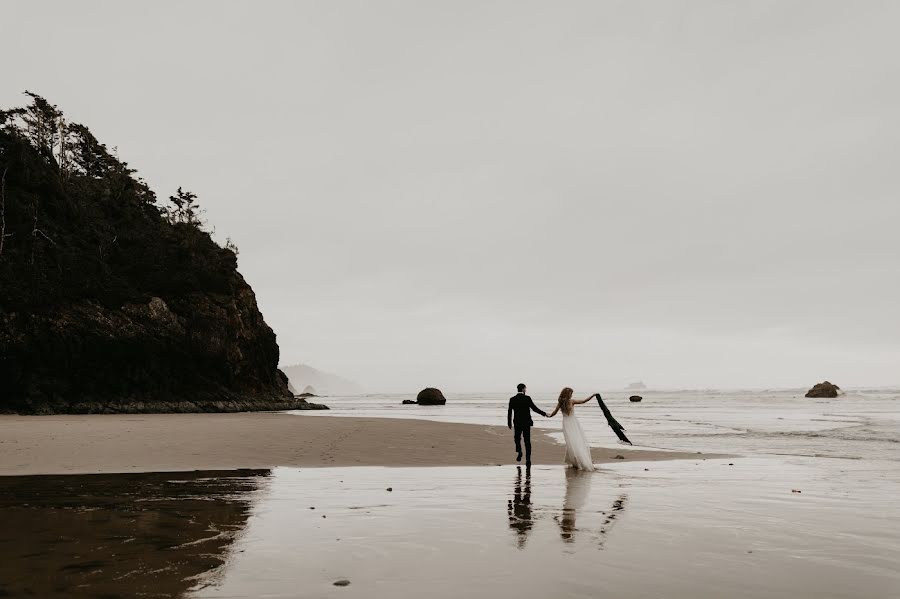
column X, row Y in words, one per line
column 108, row 303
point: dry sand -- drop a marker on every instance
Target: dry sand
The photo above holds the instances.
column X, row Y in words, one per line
column 77, row 444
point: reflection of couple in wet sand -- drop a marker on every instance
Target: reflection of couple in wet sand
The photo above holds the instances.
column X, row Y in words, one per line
column 578, row 485
column 578, row 450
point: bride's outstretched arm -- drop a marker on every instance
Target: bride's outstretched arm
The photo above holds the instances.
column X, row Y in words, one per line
column 553, row 413
column 584, row 400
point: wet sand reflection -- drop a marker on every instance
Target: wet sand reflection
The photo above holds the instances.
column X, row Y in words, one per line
column 518, row 508
column 151, row 534
column 522, row 514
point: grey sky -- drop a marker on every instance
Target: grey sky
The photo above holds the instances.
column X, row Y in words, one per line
column 466, row 194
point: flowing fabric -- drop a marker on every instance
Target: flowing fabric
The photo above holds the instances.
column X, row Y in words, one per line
column 578, row 451
column 613, row 423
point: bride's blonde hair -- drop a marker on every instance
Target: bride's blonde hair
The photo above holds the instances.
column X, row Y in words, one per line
column 565, row 394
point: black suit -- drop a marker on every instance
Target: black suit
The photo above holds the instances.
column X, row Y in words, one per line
column 519, row 413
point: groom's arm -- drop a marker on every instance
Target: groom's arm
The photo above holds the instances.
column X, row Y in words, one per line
column 509, row 415
column 536, row 409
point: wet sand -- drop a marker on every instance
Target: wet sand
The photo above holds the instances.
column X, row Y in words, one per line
column 682, row 529
column 120, row 535
column 81, row 444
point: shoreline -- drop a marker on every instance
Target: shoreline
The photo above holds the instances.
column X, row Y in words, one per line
column 124, row 443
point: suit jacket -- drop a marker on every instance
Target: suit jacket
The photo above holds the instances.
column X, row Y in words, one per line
column 520, row 407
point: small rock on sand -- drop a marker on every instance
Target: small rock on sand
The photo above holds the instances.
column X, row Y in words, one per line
column 342, row 583
column 619, row 457
column 389, row 489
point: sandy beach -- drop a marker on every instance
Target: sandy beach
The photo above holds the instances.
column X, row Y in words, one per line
column 287, row 505
column 82, row 444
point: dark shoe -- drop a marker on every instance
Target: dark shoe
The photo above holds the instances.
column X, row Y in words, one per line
column 519, row 457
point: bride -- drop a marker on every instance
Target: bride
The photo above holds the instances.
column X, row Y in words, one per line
column 578, row 452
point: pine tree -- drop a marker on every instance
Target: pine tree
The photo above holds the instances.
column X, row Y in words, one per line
column 185, row 209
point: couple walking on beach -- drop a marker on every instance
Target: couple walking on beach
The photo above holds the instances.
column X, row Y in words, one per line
column 578, row 451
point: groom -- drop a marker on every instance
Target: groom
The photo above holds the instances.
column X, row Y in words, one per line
column 521, row 405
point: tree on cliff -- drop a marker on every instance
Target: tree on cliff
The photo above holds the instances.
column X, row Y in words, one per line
column 184, row 209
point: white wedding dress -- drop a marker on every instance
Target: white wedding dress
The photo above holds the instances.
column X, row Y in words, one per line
column 578, row 451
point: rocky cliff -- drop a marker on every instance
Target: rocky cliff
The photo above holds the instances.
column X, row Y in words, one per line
column 109, row 301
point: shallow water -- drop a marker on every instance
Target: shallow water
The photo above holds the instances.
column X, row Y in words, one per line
column 861, row 424
column 678, row 529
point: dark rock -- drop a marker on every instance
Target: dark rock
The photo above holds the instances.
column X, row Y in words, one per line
column 407, row 402
column 430, row 397
column 825, row 389
column 341, row 583
column 619, row 457
column 309, row 389
column 635, row 398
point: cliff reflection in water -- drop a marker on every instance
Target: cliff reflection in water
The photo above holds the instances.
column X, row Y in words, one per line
column 150, row 534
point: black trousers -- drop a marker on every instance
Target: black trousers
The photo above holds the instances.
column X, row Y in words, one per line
column 523, row 431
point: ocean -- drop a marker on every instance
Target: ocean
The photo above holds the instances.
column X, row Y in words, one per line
column 863, row 424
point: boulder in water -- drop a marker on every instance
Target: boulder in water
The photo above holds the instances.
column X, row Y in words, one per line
column 430, row 397
column 635, row 398
column 825, row 389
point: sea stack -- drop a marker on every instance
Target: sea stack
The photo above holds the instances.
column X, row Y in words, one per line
column 824, row 389
column 430, row 397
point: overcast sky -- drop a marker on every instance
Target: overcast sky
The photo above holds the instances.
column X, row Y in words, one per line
column 470, row 194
